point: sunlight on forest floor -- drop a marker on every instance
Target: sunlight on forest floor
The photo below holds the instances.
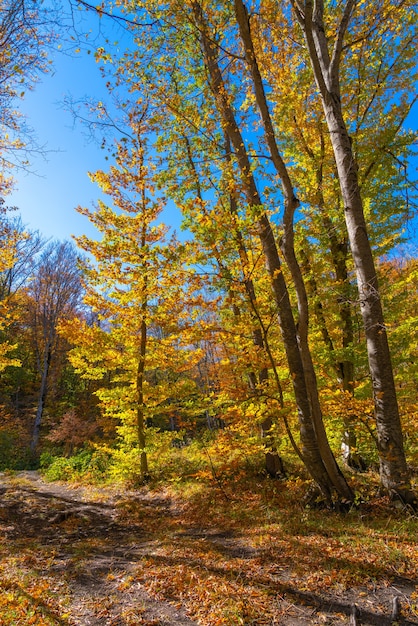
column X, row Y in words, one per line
column 241, row 552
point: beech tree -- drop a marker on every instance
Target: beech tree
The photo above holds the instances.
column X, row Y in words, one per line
column 137, row 286
column 298, row 355
column 326, row 54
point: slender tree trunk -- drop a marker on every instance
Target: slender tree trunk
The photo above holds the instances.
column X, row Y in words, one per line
column 344, row 370
column 333, row 469
column 140, row 417
column 41, row 400
column 288, row 249
column 345, row 367
column 273, row 462
column 140, row 375
column 339, row 253
column 394, row 472
column 310, row 450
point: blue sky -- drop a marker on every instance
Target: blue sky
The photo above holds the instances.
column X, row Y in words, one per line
column 58, row 181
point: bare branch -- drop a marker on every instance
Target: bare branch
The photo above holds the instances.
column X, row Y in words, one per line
column 119, row 18
column 342, row 29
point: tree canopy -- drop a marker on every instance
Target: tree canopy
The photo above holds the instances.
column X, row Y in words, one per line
column 281, row 323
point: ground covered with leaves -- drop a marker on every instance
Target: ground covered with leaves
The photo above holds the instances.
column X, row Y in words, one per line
column 244, row 552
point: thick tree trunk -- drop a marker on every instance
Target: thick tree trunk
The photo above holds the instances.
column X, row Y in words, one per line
column 393, row 468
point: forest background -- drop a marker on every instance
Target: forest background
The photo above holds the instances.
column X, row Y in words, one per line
column 278, row 334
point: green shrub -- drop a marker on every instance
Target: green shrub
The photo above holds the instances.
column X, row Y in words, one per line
column 60, row 468
column 86, row 464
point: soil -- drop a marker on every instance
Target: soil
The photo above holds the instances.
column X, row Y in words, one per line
column 95, row 548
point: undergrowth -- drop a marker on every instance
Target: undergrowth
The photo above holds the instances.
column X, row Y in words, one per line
column 229, row 544
column 227, row 540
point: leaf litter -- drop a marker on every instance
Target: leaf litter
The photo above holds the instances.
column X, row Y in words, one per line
column 84, row 556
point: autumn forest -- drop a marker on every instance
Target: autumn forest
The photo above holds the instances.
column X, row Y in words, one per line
column 271, row 343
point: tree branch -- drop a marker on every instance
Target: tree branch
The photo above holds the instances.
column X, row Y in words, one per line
column 338, row 44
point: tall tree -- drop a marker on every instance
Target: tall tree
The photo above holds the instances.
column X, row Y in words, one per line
column 315, row 447
column 54, row 294
column 27, row 245
column 135, row 284
column 326, row 53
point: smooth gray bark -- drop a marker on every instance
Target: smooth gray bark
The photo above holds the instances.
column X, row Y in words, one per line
column 394, row 472
column 310, row 449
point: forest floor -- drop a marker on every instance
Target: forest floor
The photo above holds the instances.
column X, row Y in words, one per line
column 90, row 556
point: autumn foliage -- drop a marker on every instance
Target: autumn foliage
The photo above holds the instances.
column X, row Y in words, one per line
column 269, row 333
column 223, row 417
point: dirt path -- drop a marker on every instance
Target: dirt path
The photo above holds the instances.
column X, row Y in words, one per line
column 94, row 552
column 103, row 558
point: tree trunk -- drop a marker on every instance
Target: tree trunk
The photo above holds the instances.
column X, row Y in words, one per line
column 339, row 251
column 140, row 375
column 140, row 417
column 41, row 400
column 273, row 462
column 288, row 249
column 393, row 469
column 344, row 370
column 333, row 469
column 394, row 473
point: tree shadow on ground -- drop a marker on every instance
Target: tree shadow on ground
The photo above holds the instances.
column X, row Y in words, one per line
column 99, row 548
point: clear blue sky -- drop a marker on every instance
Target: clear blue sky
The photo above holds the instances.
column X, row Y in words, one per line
column 58, row 181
